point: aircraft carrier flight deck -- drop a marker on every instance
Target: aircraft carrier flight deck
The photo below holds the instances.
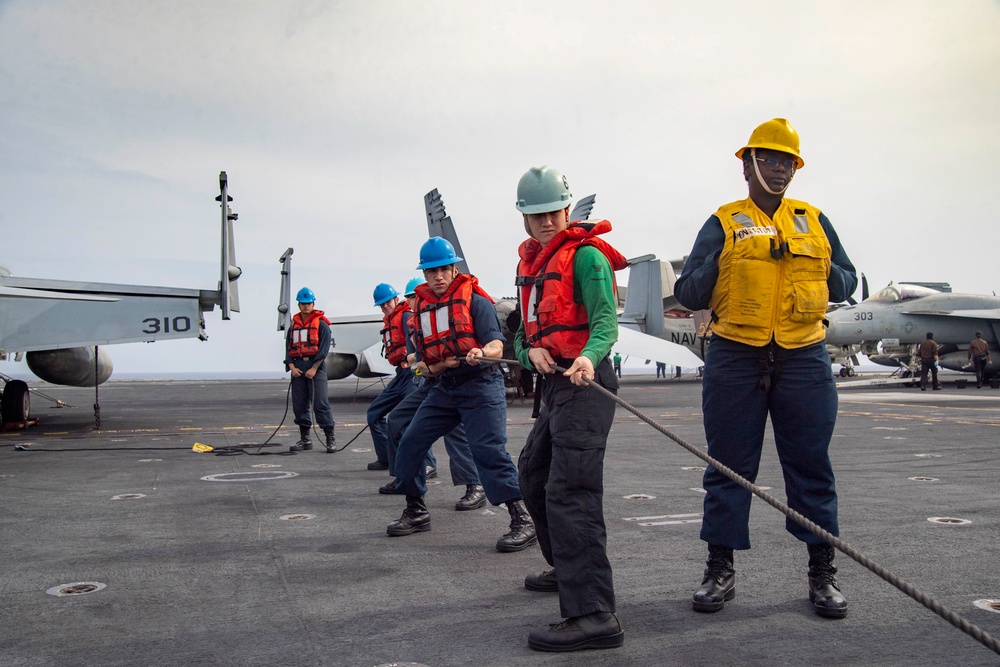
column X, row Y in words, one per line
column 124, row 546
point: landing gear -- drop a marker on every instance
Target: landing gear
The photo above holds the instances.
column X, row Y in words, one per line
column 15, row 402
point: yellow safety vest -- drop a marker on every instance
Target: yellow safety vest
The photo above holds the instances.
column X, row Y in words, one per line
column 772, row 275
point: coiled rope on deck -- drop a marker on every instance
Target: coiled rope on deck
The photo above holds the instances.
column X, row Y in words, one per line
column 927, row 600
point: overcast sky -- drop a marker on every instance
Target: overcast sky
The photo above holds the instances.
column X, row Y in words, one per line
column 333, row 119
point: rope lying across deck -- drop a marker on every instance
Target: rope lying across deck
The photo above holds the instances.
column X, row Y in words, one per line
column 927, row 600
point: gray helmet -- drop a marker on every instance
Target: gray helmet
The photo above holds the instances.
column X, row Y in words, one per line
column 541, row 190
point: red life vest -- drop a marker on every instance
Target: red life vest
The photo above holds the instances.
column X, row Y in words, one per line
column 444, row 328
column 303, row 339
column 552, row 318
column 393, row 336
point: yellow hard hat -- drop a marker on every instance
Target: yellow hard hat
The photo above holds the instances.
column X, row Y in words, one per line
column 778, row 135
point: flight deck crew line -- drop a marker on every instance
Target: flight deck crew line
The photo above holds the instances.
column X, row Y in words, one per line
column 306, row 346
column 768, row 267
column 566, row 295
column 457, row 322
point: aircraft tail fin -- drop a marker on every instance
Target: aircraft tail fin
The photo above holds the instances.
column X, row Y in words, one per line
column 583, row 208
column 644, row 295
column 285, row 292
column 230, row 294
column 439, row 224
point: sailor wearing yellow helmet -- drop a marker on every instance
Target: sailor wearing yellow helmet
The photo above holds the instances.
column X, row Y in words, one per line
column 767, row 266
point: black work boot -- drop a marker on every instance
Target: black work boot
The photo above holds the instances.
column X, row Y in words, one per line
column 598, row 630
column 473, row 499
column 389, row 488
column 522, row 530
column 544, row 582
column 824, row 593
column 304, row 442
column 415, row 519
column 719, row 584
column 331, row 442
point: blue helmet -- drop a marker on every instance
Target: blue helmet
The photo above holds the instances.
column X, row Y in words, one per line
column 411, row 287
column 305, row 295
column 384, row 292
column 436, row 252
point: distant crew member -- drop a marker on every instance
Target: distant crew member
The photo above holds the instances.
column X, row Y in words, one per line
column 395, row 319
column 306, row 346
column 928, row 354
column 979, row 357
column 661, row 369
column 569, row 318
column 768, row 267
column 456, row 327
column 617, row 359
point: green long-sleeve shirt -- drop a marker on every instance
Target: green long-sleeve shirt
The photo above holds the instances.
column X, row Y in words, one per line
column 593, row 286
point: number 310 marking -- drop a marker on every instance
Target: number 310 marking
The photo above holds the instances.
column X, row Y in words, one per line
column 155, row 325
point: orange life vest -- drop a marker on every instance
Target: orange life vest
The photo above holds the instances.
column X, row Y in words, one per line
column 552, row 317
column 303, row 339
column 444, row 325
column 393, row 336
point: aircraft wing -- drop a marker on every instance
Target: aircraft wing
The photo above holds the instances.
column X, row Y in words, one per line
column 372, row 357
column 633, row 342
column 37, row 314
column 355, row 333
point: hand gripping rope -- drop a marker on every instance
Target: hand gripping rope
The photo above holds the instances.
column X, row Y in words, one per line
column 927, row 600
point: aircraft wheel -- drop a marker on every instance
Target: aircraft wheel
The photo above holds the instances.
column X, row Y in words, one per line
column 843, row 372
column 15, row 402
column 850, row 372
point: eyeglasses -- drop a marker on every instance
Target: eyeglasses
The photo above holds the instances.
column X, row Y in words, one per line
column 774, row 162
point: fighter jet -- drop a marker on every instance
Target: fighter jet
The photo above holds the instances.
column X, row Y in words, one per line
column 890, row 325
column 58, row 326
column 644, row 332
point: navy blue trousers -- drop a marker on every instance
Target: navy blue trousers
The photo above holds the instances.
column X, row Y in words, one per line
column 463, row 468
column 802, row 403
column 562, row 477
column 397, row 389
column 312, row 393
column 480, row 405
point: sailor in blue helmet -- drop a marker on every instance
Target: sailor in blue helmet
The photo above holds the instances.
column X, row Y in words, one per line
column 396, row 320
column 306, row 346
column 456, row 327
column 463, row 468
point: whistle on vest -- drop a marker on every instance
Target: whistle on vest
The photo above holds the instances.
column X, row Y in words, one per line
column 779, row 251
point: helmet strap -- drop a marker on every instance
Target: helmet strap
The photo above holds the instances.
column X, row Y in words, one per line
column 760, row 179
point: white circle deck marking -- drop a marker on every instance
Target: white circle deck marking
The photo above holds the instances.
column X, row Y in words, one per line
column 361, row 450
column 923, row 479
column 266, row 465
column 296, row 517
column 638, row 496
column 149, row 460
column 693, row 468
column 262, row 476
column 78, row 588
column 928, row 456
column 949, row 520
column 128, row 496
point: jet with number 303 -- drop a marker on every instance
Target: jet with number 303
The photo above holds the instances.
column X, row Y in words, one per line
column 891, row 324
column 58, row 326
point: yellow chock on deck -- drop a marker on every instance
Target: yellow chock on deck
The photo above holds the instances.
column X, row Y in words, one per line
column 198, row 447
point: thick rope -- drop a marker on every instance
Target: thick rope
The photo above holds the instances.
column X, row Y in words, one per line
column 927, row 600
